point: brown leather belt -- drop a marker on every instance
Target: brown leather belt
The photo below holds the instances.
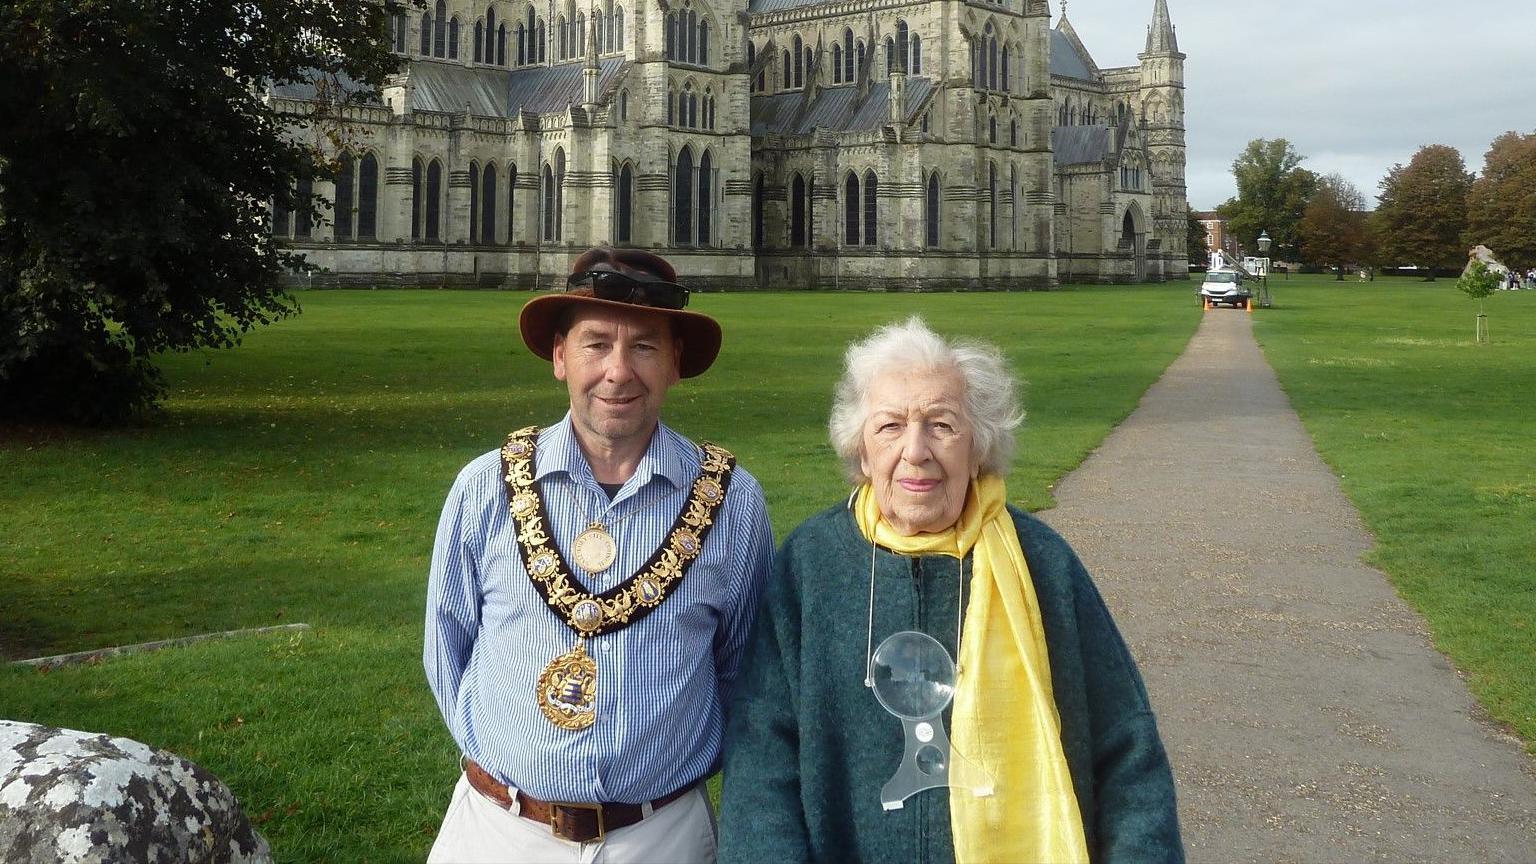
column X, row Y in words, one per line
column 579, row 823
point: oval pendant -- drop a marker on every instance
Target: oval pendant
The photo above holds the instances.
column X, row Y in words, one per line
column 593, row 550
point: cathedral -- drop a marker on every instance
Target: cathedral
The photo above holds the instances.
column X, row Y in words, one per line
column 778, row 144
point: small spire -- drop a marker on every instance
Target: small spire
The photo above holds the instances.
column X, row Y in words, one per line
column 1160, row 35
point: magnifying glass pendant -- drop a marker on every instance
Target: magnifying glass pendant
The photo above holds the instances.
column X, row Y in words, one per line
column 914, row 678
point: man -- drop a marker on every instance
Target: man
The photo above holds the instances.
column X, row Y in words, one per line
column 592, row 588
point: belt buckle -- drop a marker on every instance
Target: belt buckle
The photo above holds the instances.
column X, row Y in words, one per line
column 564, row 830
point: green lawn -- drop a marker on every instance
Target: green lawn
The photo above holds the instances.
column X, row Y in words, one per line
column 298, row 478
column 1434, row 438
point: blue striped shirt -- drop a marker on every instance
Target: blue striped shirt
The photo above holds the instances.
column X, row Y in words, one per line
column 662, row 682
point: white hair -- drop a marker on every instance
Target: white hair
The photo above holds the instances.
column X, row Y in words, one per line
column 990, row 404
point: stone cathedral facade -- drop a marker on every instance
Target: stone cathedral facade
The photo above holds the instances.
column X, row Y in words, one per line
column 885, row 145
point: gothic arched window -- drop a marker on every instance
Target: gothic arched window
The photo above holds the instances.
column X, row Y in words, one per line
column 931, row 211
column 851, row 204
column 626, row 204
column 871, row 225
column 799, row 61
column 368, row 197
column 488, row 204
column 416, row 199
column 706, row 191
column 682, row 199
column 434, row 202
column 554, row 196
column 848, row 54
column 991, row 39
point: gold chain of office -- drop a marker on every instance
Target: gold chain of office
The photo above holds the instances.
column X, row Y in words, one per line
column 591, row 614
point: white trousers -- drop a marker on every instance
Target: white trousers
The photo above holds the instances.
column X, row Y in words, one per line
column 476, row 830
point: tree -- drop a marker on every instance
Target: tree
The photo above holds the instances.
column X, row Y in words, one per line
column 1332, row 228
column 1195, row 240
column 1501, row 206
column 1477, row 282
column 1422, row 213
column 138, row 163
column 1272, row 192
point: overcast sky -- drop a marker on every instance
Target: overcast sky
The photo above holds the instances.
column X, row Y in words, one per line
column 1355, row 85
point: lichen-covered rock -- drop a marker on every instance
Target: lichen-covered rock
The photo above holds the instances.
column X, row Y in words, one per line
column 68, row 796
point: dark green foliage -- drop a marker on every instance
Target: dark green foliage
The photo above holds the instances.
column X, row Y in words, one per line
column 1501, row 205
column 1272, row 193
column 137, row 163
column 1422, row 213
column 1478, row 281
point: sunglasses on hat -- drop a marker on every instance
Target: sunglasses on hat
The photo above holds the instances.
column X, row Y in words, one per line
column 621, row 288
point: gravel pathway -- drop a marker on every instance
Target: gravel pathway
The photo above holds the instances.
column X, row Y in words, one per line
column 1308, row 716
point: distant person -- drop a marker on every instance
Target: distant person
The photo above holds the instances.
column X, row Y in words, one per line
column 929, row 562
column 592, row 590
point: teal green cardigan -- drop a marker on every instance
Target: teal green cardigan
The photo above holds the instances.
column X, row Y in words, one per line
column 808, row 747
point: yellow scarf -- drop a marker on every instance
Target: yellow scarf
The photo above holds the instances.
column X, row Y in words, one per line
column 1005, row 717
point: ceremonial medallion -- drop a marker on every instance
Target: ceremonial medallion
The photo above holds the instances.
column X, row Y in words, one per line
column 648, row 591
column 568, row 689
column 593, row 549
column 587, row 615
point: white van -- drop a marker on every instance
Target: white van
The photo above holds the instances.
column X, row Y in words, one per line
column 1224, row 286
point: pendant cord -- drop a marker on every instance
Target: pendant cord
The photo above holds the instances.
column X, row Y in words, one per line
column 960, row 613
column 869, row 632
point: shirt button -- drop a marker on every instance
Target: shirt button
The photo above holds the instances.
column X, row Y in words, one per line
column 607, row 647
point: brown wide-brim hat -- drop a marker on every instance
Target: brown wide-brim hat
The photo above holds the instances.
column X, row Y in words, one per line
column 544, row 317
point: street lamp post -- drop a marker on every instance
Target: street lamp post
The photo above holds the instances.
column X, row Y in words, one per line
column 1264, row 242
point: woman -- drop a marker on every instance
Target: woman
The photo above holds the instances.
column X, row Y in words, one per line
column 1048, row 702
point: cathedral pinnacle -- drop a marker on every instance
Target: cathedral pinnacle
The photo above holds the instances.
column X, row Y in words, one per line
column 1161, row 38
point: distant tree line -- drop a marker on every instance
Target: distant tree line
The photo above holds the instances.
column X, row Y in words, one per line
column 1428, row 213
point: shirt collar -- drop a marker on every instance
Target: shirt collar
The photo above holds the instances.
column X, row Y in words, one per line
column 559, row 453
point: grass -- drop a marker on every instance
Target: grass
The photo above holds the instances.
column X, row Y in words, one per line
column 1432, row 437
column 299, row 477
